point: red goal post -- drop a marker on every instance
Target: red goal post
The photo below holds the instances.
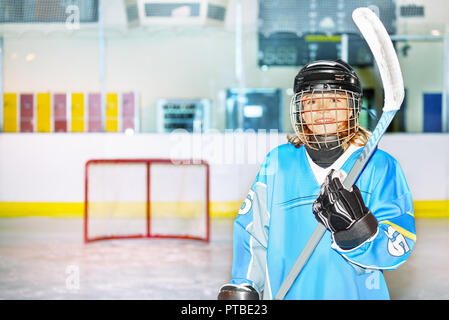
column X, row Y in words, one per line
column 146, row 198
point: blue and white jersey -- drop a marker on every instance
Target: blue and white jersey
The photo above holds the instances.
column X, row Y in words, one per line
column 276, row 220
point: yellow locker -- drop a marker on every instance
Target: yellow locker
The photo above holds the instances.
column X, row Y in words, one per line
column 77, row 122
column 43, row 112
column 112, row 112
column 10, row 112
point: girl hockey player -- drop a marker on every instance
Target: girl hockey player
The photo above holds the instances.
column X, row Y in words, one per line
column 371, row 227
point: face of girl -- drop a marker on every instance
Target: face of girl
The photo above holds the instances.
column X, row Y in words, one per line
column 326, row 113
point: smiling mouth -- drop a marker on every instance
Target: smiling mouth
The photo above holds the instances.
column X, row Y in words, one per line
column 324, row 121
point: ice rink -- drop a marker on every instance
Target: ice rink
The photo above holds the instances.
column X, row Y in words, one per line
column 45, row 258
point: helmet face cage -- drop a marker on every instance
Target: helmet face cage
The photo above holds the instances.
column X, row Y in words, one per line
column 325, row 118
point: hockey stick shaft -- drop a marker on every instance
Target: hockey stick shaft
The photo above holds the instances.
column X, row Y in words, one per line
column 351, row 178
column 369, row 148
column 310, row 246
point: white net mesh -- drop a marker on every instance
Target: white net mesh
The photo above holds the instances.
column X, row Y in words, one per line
column 119, row 200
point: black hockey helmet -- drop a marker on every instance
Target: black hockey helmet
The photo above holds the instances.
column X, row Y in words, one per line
column 325, row 75
column 318, row 80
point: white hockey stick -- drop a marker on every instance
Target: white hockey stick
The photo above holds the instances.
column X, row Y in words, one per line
column 383, row 51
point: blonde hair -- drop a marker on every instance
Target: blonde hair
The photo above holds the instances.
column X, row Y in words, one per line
column 359, row 139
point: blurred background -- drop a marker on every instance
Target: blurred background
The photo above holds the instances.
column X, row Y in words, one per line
column 206, row 80
column 208, row 52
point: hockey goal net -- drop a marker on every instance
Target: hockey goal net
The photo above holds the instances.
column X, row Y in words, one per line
column 146, row 198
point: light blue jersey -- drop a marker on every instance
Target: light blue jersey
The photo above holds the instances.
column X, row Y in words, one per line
column 276, row 220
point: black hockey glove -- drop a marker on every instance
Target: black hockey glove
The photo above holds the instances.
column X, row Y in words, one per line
column 237, row 292
column 344, row 213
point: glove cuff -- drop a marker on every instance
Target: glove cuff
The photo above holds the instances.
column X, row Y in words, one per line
column 237, row 292
column 358, row 233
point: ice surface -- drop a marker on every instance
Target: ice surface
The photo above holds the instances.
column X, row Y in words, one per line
column 41, row 257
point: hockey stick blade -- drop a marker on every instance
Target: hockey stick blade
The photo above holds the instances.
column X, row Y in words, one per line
column 383, row 51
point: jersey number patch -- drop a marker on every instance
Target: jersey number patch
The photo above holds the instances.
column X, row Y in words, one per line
column 247, row 205
column 397, row 245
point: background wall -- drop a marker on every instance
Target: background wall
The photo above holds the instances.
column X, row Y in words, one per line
column 50, row 168
column 195, row 62
column 191, row 62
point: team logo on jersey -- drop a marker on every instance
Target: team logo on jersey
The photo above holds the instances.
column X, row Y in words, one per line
column 248, row 203
column 397, row 246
